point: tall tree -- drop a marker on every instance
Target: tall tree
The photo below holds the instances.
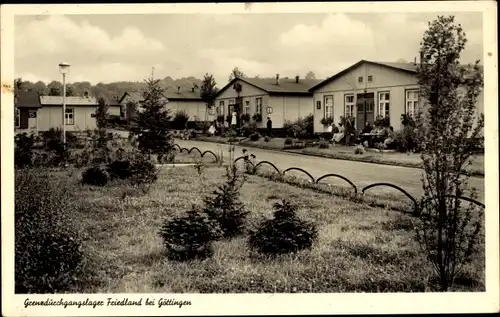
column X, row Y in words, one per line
column 55, row 88
column 236, row 72
column 152, row 125
column 449, row 232
column 310, row 75
column 101, row 144
column 18, row 85
column 208, row 92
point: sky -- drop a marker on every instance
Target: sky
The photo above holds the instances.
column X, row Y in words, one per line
column 108, row 48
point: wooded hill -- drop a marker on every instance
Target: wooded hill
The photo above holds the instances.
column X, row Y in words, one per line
column 108, row 91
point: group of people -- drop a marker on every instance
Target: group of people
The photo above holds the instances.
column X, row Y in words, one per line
column 385, row 133
column 346, row 130
column 216, row 126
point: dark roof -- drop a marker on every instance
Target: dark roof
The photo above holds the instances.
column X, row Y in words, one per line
column 136, row 96
column 70, row 101
column 111, row 101
column 28, row 99
column 406, row 67
column 286, row 85
column 183, row 95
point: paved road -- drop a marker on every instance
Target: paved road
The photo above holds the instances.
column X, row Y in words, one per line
column 360, row 173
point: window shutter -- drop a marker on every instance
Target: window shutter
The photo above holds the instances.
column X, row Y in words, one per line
column 23, row 112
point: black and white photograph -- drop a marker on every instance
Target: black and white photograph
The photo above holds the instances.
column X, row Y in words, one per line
column 157, row 154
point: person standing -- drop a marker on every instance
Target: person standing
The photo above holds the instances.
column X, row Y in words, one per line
column 269, row 126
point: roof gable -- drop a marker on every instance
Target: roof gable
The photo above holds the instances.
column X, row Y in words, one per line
column 269, row 85
column 405, row 67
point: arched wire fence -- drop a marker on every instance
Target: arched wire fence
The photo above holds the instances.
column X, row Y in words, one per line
column 417, row 207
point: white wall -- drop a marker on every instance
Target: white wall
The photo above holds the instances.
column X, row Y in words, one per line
column 51, row 117
column 288, row 108
column 384, row 80
column 195, row 109
column 248, row 93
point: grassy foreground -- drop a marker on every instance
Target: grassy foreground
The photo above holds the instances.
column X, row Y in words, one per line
column 359, row 248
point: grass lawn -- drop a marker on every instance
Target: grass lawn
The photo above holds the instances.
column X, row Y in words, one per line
column 359, row 248
column 347, row 153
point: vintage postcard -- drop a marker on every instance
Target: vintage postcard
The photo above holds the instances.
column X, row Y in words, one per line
column 249, row 158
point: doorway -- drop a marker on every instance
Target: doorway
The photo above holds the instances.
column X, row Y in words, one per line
column 364, row 109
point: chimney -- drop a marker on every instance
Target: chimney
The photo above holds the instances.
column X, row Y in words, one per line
column 178, row 89
column 277, row 79
column 297, row 79
column 415, row 61
column 86, row 94
column 421, row 57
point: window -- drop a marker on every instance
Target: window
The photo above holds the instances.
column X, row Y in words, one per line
column 411, row 102
column 17, row 118
column 247, row 107
column 370, row 78
column 69, row 116
column 258, row 105
column 231, row 101
column 349, row 106
column 383, row 104
column 360, row 79
column 328, row 106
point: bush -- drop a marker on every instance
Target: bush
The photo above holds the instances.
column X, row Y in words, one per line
column 327, row 121
column 288, row 141
column 245, row 117
column 255, row 136
column 267, row 139
column 144, row 172
column 23, row 152
column 180, row 120
column 324, row 144
column 285, row 233
column 189, row 237
column 48, row 252
column 257, row 117
column 121, row 169
column 359, row 149
column 303, row 127
column 248, row 129
column 406, row 139
column 225, row 208
column 95, row 176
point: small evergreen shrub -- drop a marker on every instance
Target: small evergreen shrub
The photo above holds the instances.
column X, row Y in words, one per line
column 324, row 144
column 95, row 176
column 121, row 169
column 189, row 237
column 225, row 207
column 48, row 252
column 285, row 233
column 255, row 136
column 144, row 172
column 23, row 152
column 288, row 141
column 180, row 120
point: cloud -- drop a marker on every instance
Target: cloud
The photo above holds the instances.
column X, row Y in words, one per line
column 60, row 35
column 338, row 28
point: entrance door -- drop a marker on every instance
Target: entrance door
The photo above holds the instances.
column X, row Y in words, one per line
column 364, row 109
